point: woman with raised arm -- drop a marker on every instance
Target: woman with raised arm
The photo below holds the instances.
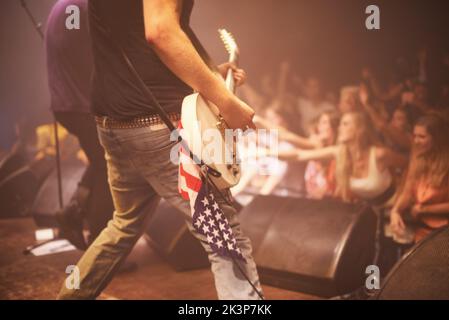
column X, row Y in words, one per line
column 396, row 132
column 319, row 175
column 362, row 165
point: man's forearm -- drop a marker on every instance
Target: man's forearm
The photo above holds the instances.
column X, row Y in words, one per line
column 177, row 52
column 172, row 45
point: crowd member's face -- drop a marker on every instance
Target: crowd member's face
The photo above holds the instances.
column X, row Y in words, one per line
column 399, row 120
column 422, row 140
column 420, row 92
column 324, row 127
column 312, row 89
column 347, row 129
column 347, row 101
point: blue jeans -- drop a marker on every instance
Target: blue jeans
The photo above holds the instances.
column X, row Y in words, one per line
column 139, row 173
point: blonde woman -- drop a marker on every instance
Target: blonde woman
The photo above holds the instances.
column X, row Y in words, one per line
column 426, row 190
column 362, row 165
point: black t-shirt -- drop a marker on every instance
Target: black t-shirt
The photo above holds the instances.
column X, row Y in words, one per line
column 115, row 92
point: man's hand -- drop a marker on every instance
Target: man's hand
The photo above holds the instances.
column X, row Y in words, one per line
column 237, row 114
column 239, row 74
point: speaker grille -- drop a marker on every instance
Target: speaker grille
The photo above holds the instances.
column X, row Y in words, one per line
column 317, row 247
column 423, row 274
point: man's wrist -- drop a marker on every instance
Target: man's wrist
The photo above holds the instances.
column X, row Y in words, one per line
column 228, row 100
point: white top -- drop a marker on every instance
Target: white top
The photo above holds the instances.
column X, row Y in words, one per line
column 373, row 185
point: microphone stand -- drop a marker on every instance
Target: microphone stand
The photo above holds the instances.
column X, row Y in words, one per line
column 38, row 27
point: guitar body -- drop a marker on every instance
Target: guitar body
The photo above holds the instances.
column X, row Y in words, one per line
column 198, row 116
column 204, row 128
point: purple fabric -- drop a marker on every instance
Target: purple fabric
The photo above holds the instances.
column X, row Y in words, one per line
column 69, row 59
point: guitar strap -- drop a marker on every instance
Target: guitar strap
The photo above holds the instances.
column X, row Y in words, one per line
column 165, row 118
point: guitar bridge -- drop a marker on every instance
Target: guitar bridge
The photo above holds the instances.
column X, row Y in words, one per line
column 221, row 124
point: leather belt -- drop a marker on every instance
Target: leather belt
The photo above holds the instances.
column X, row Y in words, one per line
column 134, row 123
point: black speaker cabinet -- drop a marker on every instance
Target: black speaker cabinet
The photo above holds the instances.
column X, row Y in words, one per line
column 317, row 247
column 46, row 202
column 421, row 274
column 167, row 234
column 19, row 184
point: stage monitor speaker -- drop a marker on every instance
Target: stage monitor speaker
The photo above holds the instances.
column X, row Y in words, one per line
column 421, row 274
column 17, row 192
column 168, row 234
column 20, row 183
column 46, row 202
column 318, row 247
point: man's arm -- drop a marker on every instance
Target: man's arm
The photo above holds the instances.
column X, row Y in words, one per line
column 164, row 33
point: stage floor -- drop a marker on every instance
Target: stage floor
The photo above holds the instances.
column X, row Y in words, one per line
column 30, row 277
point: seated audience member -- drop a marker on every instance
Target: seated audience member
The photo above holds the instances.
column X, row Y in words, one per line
column 426, row 190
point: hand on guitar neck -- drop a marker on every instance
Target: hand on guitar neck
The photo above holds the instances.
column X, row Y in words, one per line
column 236, row 113
column 239, row 74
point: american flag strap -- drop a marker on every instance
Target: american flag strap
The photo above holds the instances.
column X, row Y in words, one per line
column 208, row 218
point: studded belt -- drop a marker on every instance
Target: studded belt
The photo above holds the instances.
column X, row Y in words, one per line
column 138, row 122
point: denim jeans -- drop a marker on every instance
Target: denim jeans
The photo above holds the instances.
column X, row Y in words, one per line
column 139, row 173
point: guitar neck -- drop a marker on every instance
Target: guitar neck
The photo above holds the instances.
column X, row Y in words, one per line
column 230, row 83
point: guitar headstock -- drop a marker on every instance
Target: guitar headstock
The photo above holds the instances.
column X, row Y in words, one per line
column 229, row 42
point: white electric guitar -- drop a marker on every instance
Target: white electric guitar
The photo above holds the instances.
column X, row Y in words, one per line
column 199, row 115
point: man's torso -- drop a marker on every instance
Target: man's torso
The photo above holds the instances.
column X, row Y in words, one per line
column 115, row 93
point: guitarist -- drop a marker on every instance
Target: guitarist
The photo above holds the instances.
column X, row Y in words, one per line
column 158, row 40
